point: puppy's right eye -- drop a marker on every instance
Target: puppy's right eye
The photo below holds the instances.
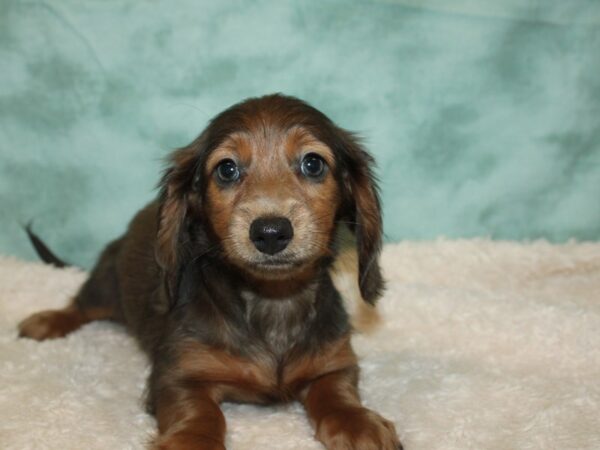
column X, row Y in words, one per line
column 228, row 171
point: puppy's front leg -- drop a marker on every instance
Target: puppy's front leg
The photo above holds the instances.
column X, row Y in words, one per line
column 189, row 418
column 340, row 421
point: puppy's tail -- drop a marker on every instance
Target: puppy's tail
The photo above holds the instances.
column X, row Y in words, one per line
column 42, row 249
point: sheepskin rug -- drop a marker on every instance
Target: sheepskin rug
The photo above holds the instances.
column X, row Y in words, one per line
column 480, row 345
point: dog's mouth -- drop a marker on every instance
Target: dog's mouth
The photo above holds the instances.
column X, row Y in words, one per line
column 275, row 267
column 278, row 264
column 273, row 248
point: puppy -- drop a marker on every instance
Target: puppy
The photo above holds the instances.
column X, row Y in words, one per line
column 224, row 279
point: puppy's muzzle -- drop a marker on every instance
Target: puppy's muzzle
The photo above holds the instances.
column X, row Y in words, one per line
column 271, row 235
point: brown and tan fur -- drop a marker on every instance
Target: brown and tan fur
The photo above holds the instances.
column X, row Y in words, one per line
column 223, row 321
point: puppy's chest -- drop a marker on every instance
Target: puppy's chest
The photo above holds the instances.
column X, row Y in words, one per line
column 279, row 324
column 280, row 346
column 259, row 366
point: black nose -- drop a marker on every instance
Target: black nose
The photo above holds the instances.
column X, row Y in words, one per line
column 271, row 234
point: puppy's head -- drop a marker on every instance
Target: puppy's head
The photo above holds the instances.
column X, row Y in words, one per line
column 267, row 182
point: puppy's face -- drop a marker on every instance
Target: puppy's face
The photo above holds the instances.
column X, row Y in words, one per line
column 265, row 184
column 271, row 198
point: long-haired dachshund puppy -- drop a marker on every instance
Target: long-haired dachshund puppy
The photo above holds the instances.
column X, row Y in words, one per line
column 224, row 279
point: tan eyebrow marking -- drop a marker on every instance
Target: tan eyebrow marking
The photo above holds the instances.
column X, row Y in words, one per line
column 301, row 142
column 234, row 147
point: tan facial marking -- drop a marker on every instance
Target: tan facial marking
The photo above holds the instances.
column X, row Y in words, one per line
column 272, row 185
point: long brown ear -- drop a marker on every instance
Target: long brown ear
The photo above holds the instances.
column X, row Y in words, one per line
column 364, row 213
column 173, row 209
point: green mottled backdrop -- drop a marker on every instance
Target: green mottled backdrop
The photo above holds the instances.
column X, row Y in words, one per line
column 484, row 115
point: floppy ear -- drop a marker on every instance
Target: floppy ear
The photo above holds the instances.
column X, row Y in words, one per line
column 175, row 186
column 364, row 214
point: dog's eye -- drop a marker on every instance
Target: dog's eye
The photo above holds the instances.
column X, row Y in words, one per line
column 228, row 171
column 312, row 166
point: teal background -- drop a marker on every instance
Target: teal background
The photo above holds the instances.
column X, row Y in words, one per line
column 484, row 115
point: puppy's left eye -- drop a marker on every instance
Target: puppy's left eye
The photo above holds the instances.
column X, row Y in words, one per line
column 313, row 166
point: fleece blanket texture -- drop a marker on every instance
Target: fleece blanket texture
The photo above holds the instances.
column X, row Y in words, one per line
column 480, row 345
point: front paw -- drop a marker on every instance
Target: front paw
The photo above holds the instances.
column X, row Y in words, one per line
column 357, row 429
column 186, row 441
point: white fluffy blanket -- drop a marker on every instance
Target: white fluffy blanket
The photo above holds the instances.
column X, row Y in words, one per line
column 482, row 345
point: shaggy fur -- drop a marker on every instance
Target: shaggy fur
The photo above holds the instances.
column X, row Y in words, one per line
column 480, row 345
column 224, row 278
